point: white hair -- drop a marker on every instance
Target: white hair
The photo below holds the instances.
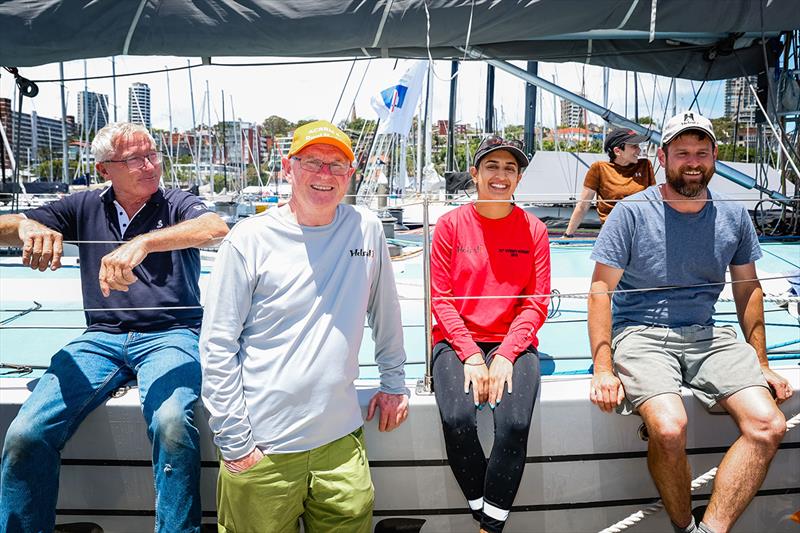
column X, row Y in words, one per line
column 104, row 143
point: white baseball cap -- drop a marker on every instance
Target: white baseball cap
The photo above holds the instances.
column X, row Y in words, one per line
column 688, row 120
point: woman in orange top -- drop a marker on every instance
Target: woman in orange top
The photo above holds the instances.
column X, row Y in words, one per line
column 613, row 180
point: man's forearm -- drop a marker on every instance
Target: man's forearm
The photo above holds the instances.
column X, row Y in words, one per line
column 200, row 231
column 749, row 300
column 9, row 230
column 577, row 216
column 599, row 322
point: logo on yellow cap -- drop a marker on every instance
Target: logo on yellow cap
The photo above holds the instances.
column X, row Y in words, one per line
column 321, row 132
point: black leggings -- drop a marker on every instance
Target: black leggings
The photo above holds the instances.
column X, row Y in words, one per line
column 497, row 480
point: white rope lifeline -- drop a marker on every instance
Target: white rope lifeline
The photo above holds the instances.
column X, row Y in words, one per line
column 640, row 515
column 584, row 295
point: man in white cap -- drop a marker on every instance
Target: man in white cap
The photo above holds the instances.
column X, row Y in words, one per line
column 681, row 237
column 284, row 319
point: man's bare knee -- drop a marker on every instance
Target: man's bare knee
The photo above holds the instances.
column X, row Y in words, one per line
column 765, row 429
column 668, row 430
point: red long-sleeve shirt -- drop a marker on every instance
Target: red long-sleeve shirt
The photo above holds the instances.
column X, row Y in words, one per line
column 472, row 255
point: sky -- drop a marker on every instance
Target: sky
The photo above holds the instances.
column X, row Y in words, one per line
column 311, row 91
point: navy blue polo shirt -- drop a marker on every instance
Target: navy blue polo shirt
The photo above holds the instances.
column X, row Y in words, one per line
column 166, row 279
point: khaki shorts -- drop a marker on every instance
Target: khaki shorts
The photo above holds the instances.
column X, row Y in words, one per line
column 329, row 488
column 653, row 360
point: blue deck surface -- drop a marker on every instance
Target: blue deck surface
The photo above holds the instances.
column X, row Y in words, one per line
column 564, row 349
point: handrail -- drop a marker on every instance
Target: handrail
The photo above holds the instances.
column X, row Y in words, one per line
column 425, row 385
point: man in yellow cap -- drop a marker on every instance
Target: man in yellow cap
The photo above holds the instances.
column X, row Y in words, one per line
column 283, row 323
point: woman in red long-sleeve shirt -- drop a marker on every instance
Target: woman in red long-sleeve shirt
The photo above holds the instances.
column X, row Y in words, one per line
column 489, row 248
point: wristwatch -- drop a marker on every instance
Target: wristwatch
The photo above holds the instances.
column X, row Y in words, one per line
column 569, row 235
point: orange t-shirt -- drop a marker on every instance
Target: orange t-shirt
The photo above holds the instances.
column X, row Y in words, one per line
column 614, row 182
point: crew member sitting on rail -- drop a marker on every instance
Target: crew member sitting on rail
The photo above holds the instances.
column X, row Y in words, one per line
column 679, row 238
column 149, row 332
column 624, row 174
column 489, row 248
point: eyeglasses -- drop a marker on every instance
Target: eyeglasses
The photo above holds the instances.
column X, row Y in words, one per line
column 337, row 168
column 137, row 162
column 495, row 140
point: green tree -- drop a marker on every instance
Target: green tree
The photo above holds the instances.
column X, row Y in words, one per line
column 723, row 129
column 516, row 131
column 355, row 127
column 251, row 176
column 304, row 122
column 277, row 126
column 43, row 168
column 726, row 153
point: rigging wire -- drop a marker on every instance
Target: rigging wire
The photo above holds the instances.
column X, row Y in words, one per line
column 344, row 87
column 428, row 40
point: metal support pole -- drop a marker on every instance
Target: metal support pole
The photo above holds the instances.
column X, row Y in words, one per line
column 605, row 97
column 451, row 117
column 224, row 144
column 197, row 150
column 425, row 385
column 489, row 125
column 172, row 169
column 113, row 83
column 530, row 109
column 64, row 139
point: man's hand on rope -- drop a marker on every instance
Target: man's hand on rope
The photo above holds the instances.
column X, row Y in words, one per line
column 606, row 390
column 779, row 384
column 41, row 246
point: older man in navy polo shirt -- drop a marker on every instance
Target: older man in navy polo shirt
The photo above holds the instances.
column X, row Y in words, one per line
column 149, row 286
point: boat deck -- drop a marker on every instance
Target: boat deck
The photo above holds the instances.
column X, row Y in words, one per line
column 585, row 469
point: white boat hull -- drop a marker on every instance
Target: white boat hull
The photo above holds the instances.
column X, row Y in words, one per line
column 585, row 470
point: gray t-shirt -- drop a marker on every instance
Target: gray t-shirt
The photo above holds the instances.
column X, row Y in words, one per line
column 659, row 247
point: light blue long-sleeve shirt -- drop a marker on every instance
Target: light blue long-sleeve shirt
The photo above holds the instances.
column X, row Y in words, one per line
column 282, row 327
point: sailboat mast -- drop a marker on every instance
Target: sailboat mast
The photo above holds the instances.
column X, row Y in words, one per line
column 224, row 146
column 64, row 143
column 114, row 83
column 169, row 112
column 210, row 144
column 451, row 117
column 238, row 145
column 605, row 97
column 85, row 135
column 197, row 148
column 530, row 110
column 428, row 121
column 420, row 120
column 489, row 124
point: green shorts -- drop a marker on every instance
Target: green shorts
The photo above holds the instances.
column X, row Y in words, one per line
column 652, row 360
column 329, row 487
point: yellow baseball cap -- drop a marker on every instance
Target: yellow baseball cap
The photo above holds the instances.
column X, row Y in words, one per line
column 321, row 132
